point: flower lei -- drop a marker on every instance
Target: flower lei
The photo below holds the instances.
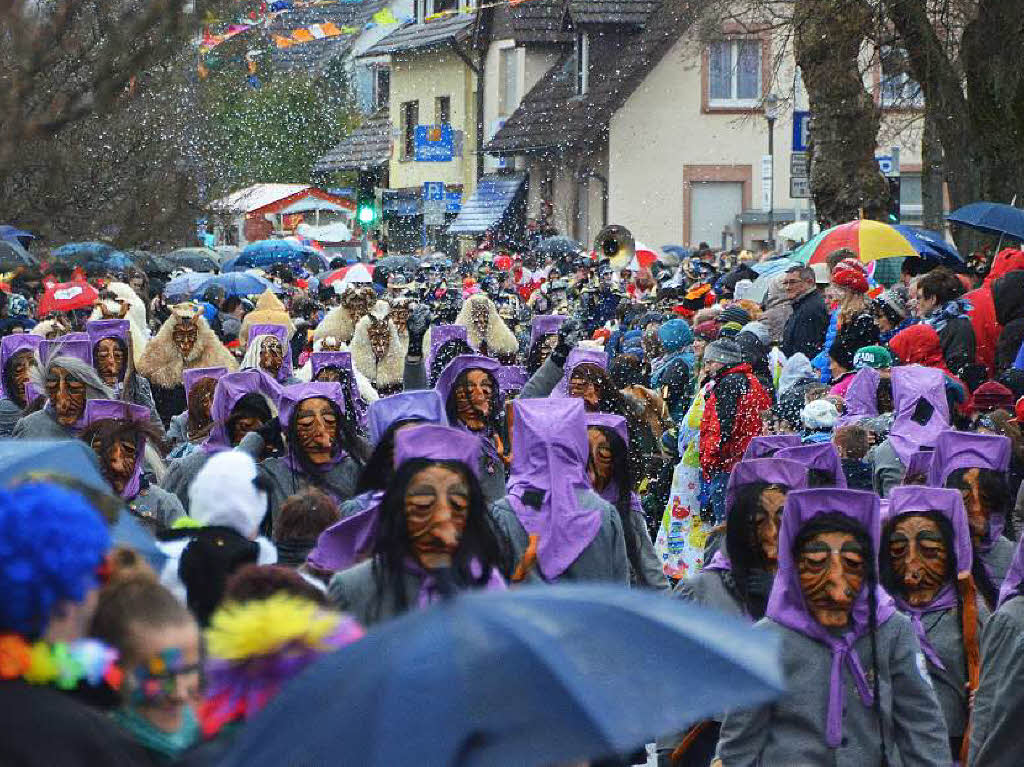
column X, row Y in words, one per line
column 65, row 665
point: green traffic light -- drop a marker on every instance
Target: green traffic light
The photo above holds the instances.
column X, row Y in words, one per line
column 366, row 214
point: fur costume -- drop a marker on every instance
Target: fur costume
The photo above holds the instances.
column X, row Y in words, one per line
column 269, row 311
column 388, row 374
column 366, row 390
column 127, row 306
column 500, row 340
column 161, row 362
column 50, row 329
column 338, row 322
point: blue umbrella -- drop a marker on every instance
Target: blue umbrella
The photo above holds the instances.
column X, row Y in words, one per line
column 184, row 285
column 931, row 245
column 14, row 234
column 237, row 284
column 263, row 253
column 538, row 675
column 991, row 217
column 84, row 250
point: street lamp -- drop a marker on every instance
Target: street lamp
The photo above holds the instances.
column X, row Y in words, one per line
column 771, row 114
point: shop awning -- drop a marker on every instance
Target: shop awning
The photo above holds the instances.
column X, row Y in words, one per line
column 488, row 205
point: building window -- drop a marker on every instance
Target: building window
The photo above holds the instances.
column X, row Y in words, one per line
column 508, row 81
column 440, row 6
column 899, row 89
column 443, row 110
column 734, row 73
column 582, row 62
column 381, row 87
column 410, row 118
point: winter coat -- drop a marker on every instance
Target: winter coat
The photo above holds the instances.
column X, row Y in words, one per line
column 995, row 721
column 856, row 332
column 982, row 315
column 791, row 731
column 1008, row 299
column 156, row 508
column 958, row 343
column 732, row 417
column 997, row 559
column 40, row 425
column 604, row 559
column 708, row 589
column 887, row 470
column 10, row 414
column 354, row 591
column 805, row 329
column 180, row 474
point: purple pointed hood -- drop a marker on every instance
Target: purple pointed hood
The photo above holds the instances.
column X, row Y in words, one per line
column 291, row 396
column 438, row 443
column 79, row 348
column 281, row 334
column 10, row 346
column 545, row 325
column 511, row 377
column 110, row 409
column 964, row 450
column 192, row 376
column 817, row 455
column 787, row 607
column 345, row 542
column 458, row 366
column 97, row 330
column 766, row 445
column 576, row 358
column 419, row 405
column 906, row 499
column 342, row 360
column 920, row 462
column 861, row 397
column 610, row 421
column 1013, row 583
column 230, row 389
column 439, row 336
column 910, row 385
column 549, row 454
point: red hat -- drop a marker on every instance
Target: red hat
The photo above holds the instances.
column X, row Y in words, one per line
column 1018, row 410
column 850, row 274
column 992, row 395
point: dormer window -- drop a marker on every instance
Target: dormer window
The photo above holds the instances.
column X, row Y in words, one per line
column 582, row 62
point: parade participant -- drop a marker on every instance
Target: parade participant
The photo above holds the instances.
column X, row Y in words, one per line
column 378, row 352
column 673, row 373
column 242, row 402
column 113, row 356
column 824, row 467
column 321, row 449
column 340, row 322
column 926, row 563
column 268, row 311
column 732, row 417
column 543, row 339
column 843, row 644
column 184, row 341
column 469, row 389
column 486, row 332
column 610, row 477
column 767, row 445
column 268, row 350
column 304, row 517
column 434, row 536
column 557, row 527
column 922, row 413
column 353, row 538
column 17, row 358
column 920, row 345
column 328, row 367
column 192, row 427
column 157, row 642
column 65, row 373
column 976, row 465
column 511, row 380
column 444, row 343
column 118, row 433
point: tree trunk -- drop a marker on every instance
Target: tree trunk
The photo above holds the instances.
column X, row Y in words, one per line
column 845, row 179
column 932, row 202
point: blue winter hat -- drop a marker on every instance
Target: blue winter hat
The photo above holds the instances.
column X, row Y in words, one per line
column 675, row 335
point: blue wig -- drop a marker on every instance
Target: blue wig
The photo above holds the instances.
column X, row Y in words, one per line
column 51, row 543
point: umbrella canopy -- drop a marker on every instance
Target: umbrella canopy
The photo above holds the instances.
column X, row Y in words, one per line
column 797, row 231
column 151, row 262
column 237, row 284
column 80, row 252
column 14, row 234
column 347, row 275
column 873, row 240
column 67, row 296
column 539, row 675
column 13, row 255
column 263, row 253
column 991, row 217
column 559, row 247
column 184, row 285
column 197, row 259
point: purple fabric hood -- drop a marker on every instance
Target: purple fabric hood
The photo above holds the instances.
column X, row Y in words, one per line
column 104, row 409
column 439, row 336
column 192, row 376
column 10, row 346
column 610, row 421
column 576, row 358
column 766, row 445
column 458, row 366
column 817, row 455
column 230, row 389
column 549, row 455
column 964, row 450
column 910, row 385
column 545, row 325
column 438, row 443
column 342, row 360
column 861, row 397
column 79, row 348
column 419, row 405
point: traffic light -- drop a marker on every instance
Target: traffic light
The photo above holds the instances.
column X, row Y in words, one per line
column 366, row 202
column 894, row 199
column 366, row 212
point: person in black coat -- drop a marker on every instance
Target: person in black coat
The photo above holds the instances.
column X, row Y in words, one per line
column 805, row 329
column 1008, row 299
column 940, row 304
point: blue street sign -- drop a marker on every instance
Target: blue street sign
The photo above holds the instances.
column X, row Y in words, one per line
column 801, row 130
column 453, row 202
column 433, row 190
column 434, row 143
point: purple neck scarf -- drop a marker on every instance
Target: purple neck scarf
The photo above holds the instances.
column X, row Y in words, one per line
column 787, row 607
column 549, row 458
column 861, row 397
column 429, row 592
column 911, row 384
column 281, row 334
column 10, row 346
column 230, row 389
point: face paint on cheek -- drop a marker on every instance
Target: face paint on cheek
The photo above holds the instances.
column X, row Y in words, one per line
column 831, row 570
column 919, row 558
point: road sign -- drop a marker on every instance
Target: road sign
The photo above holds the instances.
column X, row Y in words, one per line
column 453, row 202
column 767, row 174
column 801, row 130
column 799, row 165
column 433, row 190
column 799, row 188
column 433, row 143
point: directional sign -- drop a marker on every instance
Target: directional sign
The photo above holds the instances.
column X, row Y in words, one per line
column 801, row 130
column 799, row 165
column 799, row 188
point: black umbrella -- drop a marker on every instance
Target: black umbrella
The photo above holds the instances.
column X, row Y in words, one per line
column 196, row 259
column 151, row 262
column 558, row 247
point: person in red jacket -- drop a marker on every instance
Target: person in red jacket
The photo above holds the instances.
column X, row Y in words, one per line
column 732, row 417
column 983, row 310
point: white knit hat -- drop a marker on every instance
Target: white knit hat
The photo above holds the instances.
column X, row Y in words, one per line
column 223, row 494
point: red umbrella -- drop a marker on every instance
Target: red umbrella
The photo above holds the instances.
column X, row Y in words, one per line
column 350, row 274
column 503, row 262
column 67, row 296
